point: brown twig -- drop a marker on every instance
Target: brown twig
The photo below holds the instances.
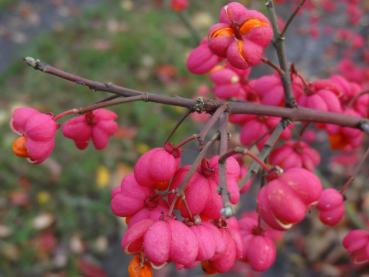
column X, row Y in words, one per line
column 187, row 140
column 183, row 118
column 242, row 151
column 99, row 105
column 292, row 16
column 227, row 210
column 273, row 65
column 282, row 58
column 192, row 170
column 357, row 169
column 263, row 155
column 188, row 24
column 211, row 122
column 210, row 105
column 357, row 96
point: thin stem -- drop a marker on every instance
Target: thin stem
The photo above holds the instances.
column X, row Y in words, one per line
column 187, row 140
column 293, row 71
column 304, row 128
column 188, row 24
column 65, row 113
column 273, row 65
column 179, row 123
column 209, row 105
column 290, row 100
column 108, row 98
column 246, row 152
column 292, row 16
column 227, row 208
column 259, row 139
column 357, row 96
column 211, row 122
column 99, row 105
column 268, row 146
column 357, row 169
column 192, row 170
column 112, row 103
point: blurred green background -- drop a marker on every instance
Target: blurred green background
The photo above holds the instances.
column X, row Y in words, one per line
column 55, row 218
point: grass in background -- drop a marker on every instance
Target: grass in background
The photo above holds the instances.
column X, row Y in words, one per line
column 143, row 48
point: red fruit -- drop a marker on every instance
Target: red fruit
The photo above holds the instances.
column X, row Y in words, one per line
column 356, row 243
column 285, row 200
column 331, row 207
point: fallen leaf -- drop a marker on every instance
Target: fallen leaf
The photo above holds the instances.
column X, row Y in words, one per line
column 102, row 176
column 43, row 221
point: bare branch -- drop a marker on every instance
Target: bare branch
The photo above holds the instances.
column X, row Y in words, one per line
column 263, row 155
column 292, row 16
column 282, row 58
column 179, row 123
column 194, row 166
column 210, row 123
column 351, row 179
column 210, row 105
column 227, row 210
column 273, row 65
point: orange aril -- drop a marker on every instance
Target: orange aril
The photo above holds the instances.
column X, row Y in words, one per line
column 240, row 45
column 250, row 24
column 19, row 147
column 162, row 185
column 138, row 269
column 227, row 31
column 337, row 141
column 208, row 268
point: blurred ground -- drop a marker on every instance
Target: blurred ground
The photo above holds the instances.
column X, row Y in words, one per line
column 55, row 219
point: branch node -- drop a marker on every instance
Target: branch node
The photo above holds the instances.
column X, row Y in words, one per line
column 32, row 62
column 197, row 219
column 146, row 97
column 199, row 105
column 227, row 211
column 364, row 125
column 108, row 84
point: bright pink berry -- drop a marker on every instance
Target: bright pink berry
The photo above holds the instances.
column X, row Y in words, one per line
column 132, row 241
column 184, row 245
column 249, row 223
column 225, row 260
column 201, row 59
column 240, row 36
column 156, row 243
column 295, row 154
column 345, row 138
column 97, row 125
column 178, row 5
column 129, row 198
column 270, row 90
column 322, row 95
column 207, row 241
column 197, row 191
column 331, row 207
column 259, row 251
column 256, row 130
column 356, row 243
column 284, row 201
column 37, row 134
column 157, row 167
column 233, row 172
column 230, row 82
column 155, row 213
